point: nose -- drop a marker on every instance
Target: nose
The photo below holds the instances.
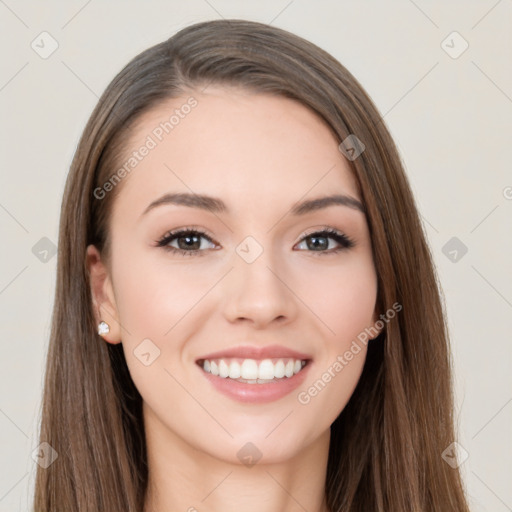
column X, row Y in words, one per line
column 258, row 293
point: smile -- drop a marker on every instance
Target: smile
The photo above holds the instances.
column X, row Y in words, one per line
column 253, row 371
column 254, row 381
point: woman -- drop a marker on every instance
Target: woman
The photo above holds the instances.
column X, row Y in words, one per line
column 297, row 358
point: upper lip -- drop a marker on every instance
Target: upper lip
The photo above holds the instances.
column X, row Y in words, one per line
column 251, row 352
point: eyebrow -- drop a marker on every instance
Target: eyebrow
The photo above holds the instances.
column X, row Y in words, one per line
column 216, row 205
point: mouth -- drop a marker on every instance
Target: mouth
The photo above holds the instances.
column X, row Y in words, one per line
column 253, row 381
column 253, row 371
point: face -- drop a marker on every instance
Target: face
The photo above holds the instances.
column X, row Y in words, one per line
column 249, row 274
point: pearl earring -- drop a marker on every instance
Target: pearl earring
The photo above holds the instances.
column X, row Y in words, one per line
column 103, row 328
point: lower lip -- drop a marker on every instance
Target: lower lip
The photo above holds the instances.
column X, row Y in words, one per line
column 257, row 393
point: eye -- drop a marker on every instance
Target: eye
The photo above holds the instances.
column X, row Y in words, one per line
column 188, row 240
column 320, row 241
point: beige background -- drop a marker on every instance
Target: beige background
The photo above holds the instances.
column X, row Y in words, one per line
column 451, row 118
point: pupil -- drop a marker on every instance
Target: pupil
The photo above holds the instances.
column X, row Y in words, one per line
column 188, row 239
column 321, row 244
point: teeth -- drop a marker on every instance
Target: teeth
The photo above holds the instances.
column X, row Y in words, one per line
column 249, row 369
column 253, row 371
column 235, row 371
column 223, row 369
column 278, row 369
column 266, row 369
column 288, row 369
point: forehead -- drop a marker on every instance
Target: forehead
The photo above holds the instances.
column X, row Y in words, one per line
column 253, row 150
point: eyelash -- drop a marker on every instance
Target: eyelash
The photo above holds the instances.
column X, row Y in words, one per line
column 344, row 241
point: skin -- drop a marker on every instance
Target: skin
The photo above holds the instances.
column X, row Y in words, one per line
column 260, row 154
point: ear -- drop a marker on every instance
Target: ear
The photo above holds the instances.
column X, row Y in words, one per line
column 102, row 293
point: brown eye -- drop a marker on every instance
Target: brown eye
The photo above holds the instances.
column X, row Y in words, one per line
column 188, row 240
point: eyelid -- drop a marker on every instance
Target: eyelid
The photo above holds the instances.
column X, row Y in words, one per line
column 185, row 229
column 320, row 229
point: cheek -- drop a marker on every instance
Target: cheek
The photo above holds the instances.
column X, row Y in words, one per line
column 344, row 300
column 343, row 297
column 153, row 298
column 153, row 301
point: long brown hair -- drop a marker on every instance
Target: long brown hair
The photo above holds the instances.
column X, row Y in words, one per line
column 386, row 445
